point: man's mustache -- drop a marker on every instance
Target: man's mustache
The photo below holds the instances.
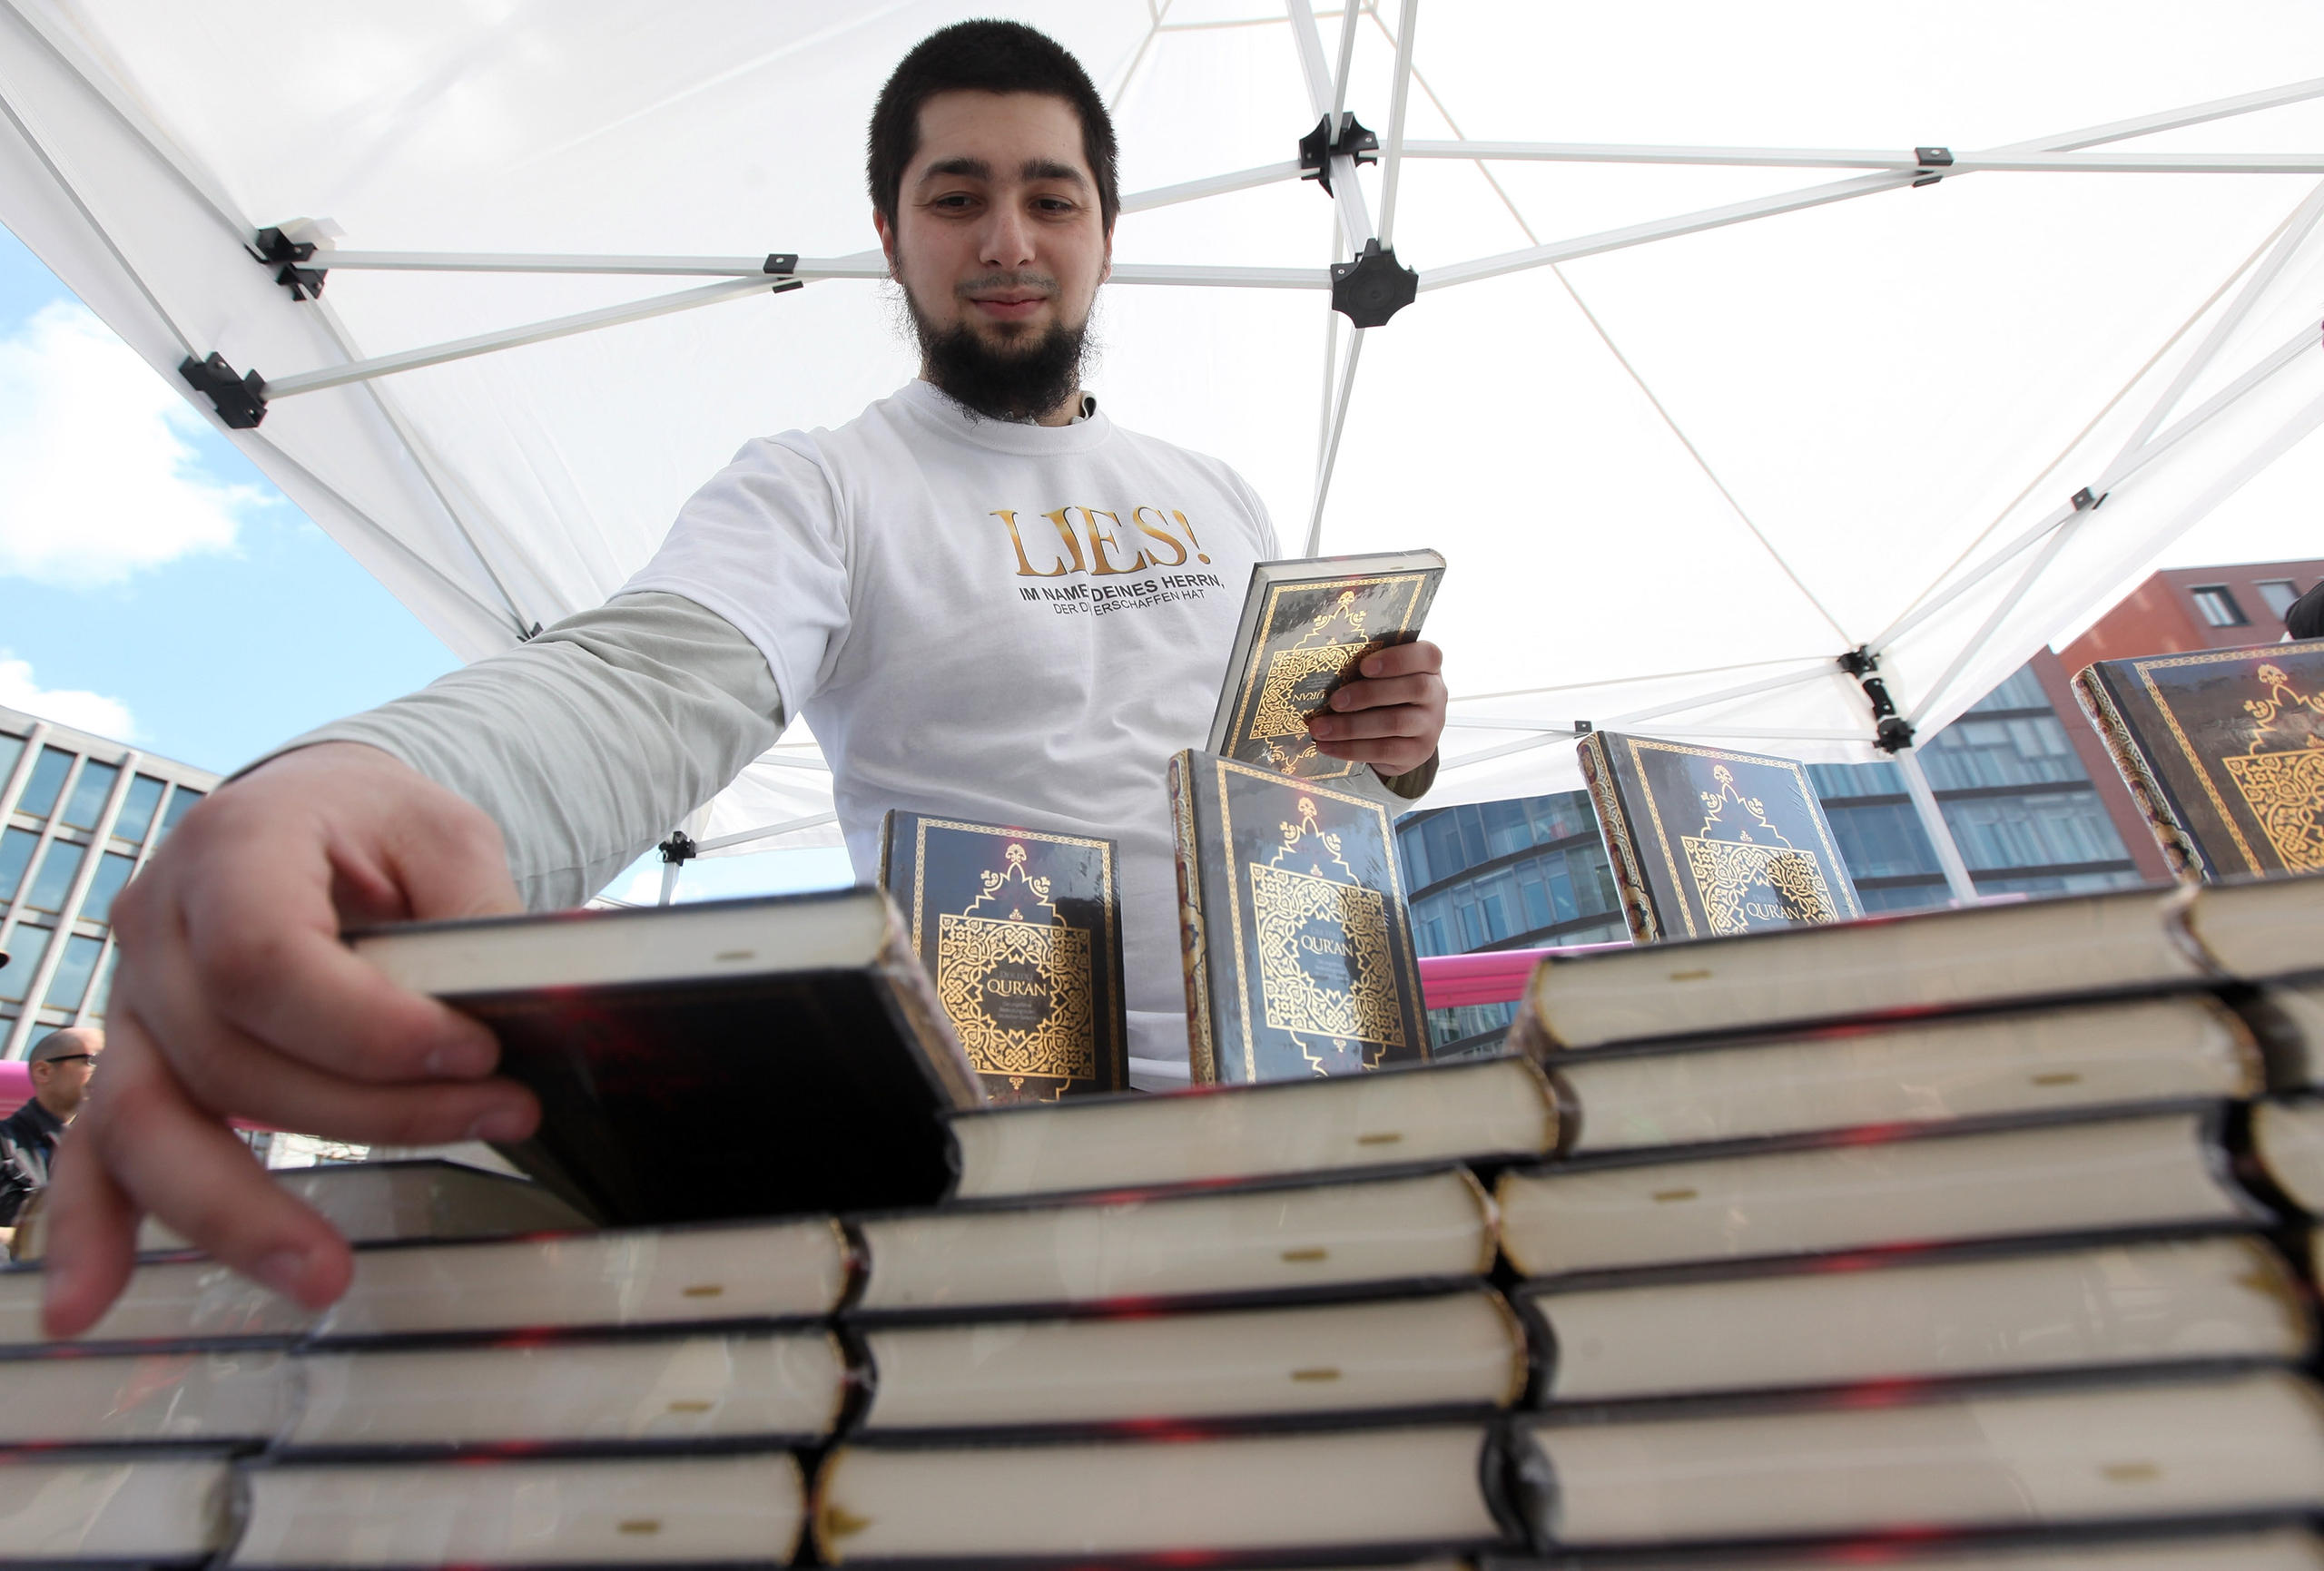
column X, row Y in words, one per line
column 989, row 283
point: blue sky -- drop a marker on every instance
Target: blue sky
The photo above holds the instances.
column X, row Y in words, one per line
column 214, row 621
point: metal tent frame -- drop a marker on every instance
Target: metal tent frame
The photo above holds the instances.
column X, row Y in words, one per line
column 1363, row 280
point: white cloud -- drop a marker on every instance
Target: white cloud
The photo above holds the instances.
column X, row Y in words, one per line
column 76, row 707
column 97, row 478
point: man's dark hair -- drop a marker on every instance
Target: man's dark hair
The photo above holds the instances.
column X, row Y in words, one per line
column 984, row 56
column 2305, row 616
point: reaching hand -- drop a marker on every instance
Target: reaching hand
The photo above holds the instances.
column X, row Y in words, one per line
column 1392, row 716
column 234, row 996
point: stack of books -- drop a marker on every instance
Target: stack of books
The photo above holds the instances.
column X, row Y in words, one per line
column 1967, row 1239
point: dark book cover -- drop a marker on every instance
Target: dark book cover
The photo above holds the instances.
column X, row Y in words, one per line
column 737, row 1059
column 1706, row 842
column 1298, row 951
column 2224, row 751
column 1021, row 931
column 1304, row 626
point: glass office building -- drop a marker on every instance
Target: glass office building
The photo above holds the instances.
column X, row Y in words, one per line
column 2016, row 795
column 2014, row 791
column 78, row 816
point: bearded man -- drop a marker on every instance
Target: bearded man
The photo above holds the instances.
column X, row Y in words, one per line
column 932, row 585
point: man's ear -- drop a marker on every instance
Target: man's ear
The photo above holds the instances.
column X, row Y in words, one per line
column 887, row 234
column 1107, row 272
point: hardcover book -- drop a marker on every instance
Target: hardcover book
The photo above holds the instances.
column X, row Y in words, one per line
column 1705, row 842
column 2223, row 751
column 1298, row 951
column 1908, row 1317
column 1306, row 623
column 1021, row 931
column 2152, row 1171
column 2141, row 1451
column 762, row 1057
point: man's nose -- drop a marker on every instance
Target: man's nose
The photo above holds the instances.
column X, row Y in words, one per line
column 1008, row 237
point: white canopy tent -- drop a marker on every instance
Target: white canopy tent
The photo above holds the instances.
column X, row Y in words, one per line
column 1821, row 335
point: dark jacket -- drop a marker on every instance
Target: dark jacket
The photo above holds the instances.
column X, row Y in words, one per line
column 27, row 1145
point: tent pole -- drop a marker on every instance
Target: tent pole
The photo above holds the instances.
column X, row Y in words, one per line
column 1958, row 882
column 2304, row 219
column 1331, row 450
column 511, row 337
column 766, row 832
column 2217, row 404
column 1348, row 14
column 1392, row 160
column 1841, row 190
column 1864, row 158
column 1347, row 193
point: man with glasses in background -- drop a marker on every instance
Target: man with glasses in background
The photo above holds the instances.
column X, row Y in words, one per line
column 60, row 1062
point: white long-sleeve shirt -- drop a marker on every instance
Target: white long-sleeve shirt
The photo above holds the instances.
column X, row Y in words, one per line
column 1008, row 624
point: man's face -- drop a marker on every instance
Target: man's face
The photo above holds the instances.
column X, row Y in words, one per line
column 1000, row 246
column 62, row 1084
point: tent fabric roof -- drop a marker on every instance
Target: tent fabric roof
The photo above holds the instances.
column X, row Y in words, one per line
column 1676, row 477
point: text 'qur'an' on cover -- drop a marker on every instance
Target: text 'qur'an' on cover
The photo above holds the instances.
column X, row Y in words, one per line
column 1298, row 953
column 1706, row 842
column 1021, row 931
column 2223, row 751
column 1304, row 626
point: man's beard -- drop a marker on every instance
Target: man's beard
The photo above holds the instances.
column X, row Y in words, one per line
column 1021, row 381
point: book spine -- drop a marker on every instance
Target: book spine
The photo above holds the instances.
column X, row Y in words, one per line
column 1622, row 845
column 2181, row 852
column 913, row 997
column 1202, row 1048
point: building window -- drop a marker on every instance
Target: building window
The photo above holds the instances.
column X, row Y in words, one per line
column 113, row 872
column 2217, row 606
column 12, row 748
column 48, row 780
column 26, row 945
column 15, row 856
column 89, row 793
column 54, row 880
column 136, row 814
column 2278, row 592
column 72, row 979
column 182, row 802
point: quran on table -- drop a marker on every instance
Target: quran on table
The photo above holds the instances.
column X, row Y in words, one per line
column 1297, row 949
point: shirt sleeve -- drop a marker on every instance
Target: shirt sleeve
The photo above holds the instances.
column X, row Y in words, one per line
column 763, row 543
column 588, row 744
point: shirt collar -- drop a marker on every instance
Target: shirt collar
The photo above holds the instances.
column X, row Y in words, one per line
column 935, row 408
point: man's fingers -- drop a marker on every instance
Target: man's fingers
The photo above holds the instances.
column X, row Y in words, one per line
column 293, row 983
column 1402, row 720
column 141, row 1141
column 187, row 1169
column 1390, row 756
column 223, row 1066
column 92, row 1229
column 1411, row 659
column 1378, row 694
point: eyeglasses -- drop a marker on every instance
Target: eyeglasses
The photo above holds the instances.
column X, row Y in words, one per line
column 71, row 1058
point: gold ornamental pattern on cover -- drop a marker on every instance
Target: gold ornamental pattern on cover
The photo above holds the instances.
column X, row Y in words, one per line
column 1325, row 969
column 1017, row 986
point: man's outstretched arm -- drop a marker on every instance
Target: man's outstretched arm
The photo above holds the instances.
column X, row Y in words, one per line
column 556, row 763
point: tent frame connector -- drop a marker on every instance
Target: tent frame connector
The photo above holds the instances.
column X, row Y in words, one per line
column 1372, row 288
column 1319, row 147
column 239, row 400
column 1933, row 161
column 679, row 848
column 279, row 250
column 1891, row 732
column 2083, row 500
column 781, row 264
